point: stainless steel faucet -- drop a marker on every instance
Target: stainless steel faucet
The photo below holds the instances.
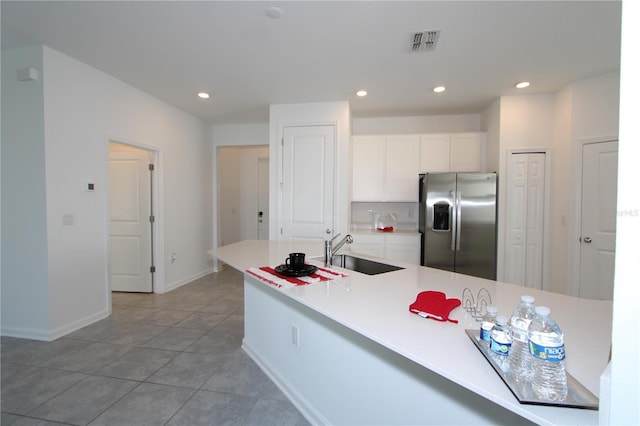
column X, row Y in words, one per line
column 329, row 250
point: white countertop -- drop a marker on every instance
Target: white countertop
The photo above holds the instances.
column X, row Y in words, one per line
column 377, row 307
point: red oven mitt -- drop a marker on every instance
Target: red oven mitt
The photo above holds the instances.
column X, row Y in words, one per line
column 435, row 305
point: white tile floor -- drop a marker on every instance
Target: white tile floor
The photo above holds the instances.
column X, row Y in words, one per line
column 159, row 359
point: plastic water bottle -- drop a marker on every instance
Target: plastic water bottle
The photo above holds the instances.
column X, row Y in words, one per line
column 520, row 358
column 500, row 343
column 488, row 321
column 546, row 344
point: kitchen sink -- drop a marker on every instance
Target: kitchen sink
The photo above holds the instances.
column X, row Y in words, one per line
column 365, row 266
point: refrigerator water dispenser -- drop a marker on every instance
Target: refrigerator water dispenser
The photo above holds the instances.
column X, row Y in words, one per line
column 441, row 216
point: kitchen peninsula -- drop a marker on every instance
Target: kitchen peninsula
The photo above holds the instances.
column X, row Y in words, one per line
column 348, row 351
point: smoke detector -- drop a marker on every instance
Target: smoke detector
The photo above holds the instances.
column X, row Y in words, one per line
column 424, row 41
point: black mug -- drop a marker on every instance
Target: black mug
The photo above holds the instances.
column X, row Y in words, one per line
column 295, row 261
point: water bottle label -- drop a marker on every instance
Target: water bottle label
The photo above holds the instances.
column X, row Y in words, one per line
column 485, row 334
column 547, row 353
column 500, row 348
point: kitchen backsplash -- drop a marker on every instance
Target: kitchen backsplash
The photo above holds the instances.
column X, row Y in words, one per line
column 363, row 215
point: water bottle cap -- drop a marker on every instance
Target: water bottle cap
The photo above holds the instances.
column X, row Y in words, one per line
column 492, row 310
column 502, row 320
column 543, row 310
column 528, row 299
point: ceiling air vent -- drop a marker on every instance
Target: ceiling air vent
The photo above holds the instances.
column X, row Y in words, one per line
column 424, row 41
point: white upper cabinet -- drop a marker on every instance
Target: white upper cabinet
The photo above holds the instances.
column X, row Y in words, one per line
column 385, row 168
column 467, row 152
column 455, row 152
column 368, row 172
column 402, row 168
column 435, row 153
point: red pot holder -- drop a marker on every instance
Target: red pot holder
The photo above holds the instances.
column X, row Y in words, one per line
column 434, row 305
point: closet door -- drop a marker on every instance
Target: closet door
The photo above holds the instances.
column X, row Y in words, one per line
column 525, row 219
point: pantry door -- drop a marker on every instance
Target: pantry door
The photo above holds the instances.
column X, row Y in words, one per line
column 598, row 220
column 525, row 219
column 308, row 158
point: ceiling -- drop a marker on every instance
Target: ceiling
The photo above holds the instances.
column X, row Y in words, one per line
column 326, row 50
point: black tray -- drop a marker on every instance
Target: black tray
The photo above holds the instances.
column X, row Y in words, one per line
column 577, row 396
column 302, row 272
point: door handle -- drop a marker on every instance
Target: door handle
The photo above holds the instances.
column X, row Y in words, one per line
column 587, row 240
column 458, row 218
column 454, row 220
column 327, row 231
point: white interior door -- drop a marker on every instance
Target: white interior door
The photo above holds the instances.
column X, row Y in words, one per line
column 130, row 244
column 598, row 220
column 525, row 219
column 263, row 198
column 308, row 182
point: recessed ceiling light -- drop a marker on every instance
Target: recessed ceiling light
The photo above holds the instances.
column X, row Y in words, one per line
column 203, row 95
column 361, row 93
column 439, row 89
column 522, row 84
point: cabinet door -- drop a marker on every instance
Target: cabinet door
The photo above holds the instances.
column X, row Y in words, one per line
column 403, row 253
column 367, row 249
column 368, row 173
column 467, row 152
column 434, row 153
column 371, row 244
column 402, row 168
column 404, row 248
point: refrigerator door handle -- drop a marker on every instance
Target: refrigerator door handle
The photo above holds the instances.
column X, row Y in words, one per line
column 454, row 220
column 458, row 218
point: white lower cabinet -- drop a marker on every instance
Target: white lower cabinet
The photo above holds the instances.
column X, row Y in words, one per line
column 393, row 246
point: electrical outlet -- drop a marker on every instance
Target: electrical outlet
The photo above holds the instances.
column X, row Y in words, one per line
column 295, row 336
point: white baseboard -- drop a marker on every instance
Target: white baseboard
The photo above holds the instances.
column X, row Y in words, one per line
column 50, row 335
column 312, row 415
column 187, row 280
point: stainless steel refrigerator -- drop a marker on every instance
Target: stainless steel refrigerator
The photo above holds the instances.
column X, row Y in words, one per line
column 458, row 222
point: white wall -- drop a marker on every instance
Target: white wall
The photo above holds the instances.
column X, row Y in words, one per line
column 417, row 124
column 491, row 125
column 240, row 134
column 625, row 363
column 83, row 109
column 561, row 193
column 25, row 294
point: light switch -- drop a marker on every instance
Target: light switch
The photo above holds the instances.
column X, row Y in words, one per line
column 27, row 74
column 68, row 219
column 88, row 186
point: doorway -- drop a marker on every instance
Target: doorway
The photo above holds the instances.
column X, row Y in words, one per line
column 598, row 220
column 263, row 198
column 243, row 192
column 131, row 218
